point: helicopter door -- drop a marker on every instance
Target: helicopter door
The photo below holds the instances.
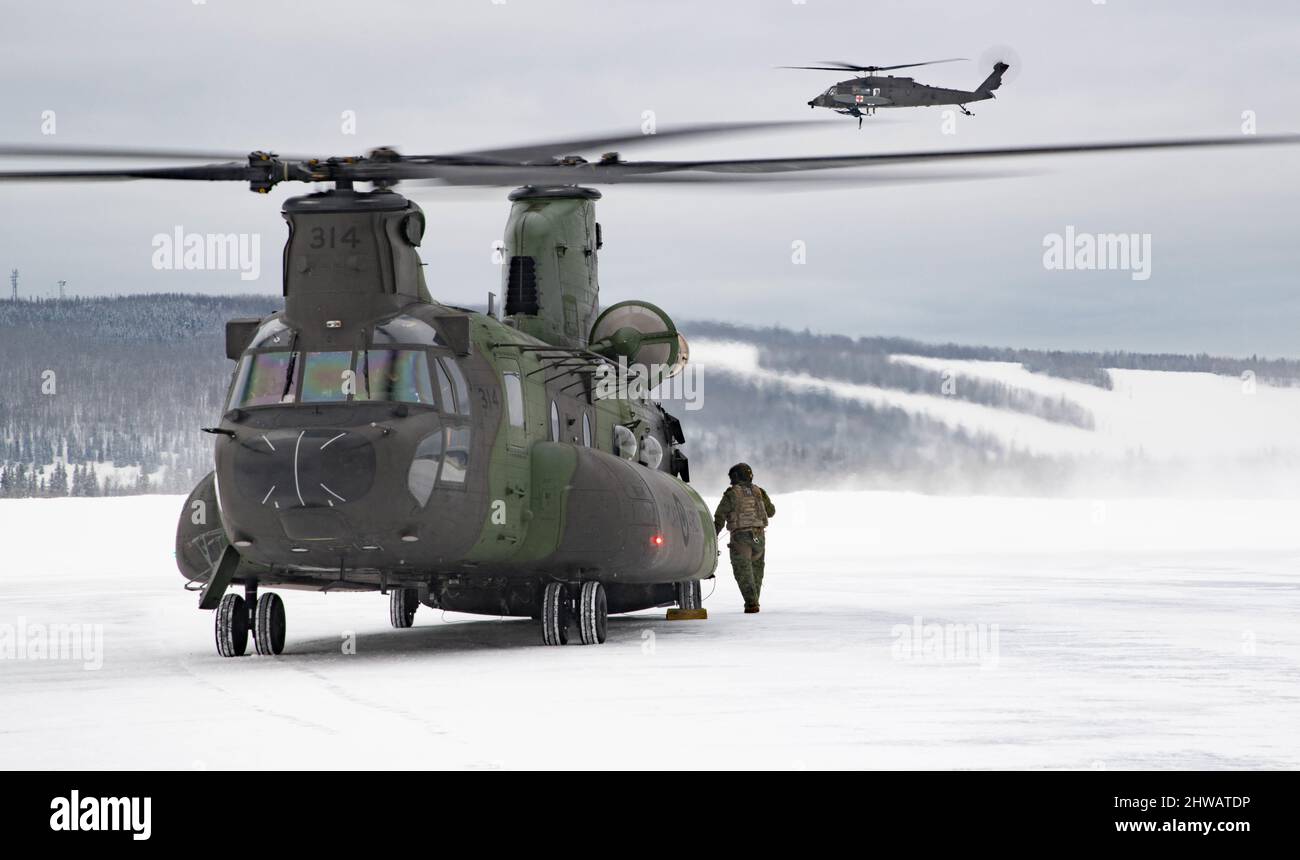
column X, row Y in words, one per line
column 515, row 494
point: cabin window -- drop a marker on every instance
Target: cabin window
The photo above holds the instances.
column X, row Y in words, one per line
column 514, row 398
column 455, row 463
column 264, row 379
column 586, row 430
column 394, row 374
column 555, row 423
column 326, row 376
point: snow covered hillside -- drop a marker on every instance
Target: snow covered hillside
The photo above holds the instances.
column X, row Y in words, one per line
column 1188, row 430
column 897, row 630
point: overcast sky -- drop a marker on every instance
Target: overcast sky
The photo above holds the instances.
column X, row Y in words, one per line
column 959, row 260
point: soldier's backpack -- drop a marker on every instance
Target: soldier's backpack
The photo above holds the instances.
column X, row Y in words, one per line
column 747, row 511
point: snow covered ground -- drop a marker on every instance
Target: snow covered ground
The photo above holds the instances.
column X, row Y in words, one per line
column 938, row 633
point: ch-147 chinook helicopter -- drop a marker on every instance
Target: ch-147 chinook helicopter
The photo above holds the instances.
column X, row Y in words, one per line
column 376, row 439
column 862, row 95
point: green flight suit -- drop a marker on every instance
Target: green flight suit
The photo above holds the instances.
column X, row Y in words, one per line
column 747, row 536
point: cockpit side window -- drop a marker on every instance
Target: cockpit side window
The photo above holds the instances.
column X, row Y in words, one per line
column 444, row 387
column 423, row 473
column 455, row 463
column 458, row 382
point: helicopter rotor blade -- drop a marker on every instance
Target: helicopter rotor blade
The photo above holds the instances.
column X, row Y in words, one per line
column 643, row 171
column 20, row 150
column 385, row 167
column 841, row 66
column 202, row 172
column 558, row 148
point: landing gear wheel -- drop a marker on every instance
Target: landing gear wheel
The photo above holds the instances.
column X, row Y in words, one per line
column 555, row 614
column 593, row 613
column 688, row 595
column 268, row 626
column 231, row 622
column 402, row 603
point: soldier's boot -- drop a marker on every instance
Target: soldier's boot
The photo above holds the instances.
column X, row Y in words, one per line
column 744, row 574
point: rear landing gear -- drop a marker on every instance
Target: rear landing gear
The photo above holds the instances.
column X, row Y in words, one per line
column 963, row 110
column 556, row 609
column 689, row 596
column 593, row 613
column 402, row 603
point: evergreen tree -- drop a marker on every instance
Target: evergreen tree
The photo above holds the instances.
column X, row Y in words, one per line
column 58, row 485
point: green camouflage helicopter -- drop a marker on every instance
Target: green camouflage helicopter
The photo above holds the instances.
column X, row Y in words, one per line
column 375, row 439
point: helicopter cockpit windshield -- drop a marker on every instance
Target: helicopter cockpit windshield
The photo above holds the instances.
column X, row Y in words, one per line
column 401, row 365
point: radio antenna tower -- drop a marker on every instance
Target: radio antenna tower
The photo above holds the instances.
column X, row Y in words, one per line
column 13, row 279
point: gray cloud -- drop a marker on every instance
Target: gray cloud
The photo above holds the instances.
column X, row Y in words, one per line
column 955, row 261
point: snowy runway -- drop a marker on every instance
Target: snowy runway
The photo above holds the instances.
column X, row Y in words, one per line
column 950, row 633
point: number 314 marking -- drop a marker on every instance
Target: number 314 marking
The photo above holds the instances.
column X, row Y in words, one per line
column 320, row 238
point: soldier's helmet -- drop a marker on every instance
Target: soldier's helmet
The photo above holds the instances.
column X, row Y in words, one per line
column 740, row 473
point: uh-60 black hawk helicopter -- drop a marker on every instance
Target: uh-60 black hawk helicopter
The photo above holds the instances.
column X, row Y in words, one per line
column 376, row 439
column 862, row 95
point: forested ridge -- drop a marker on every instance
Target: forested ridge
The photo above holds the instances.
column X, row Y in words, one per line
column 108, row 395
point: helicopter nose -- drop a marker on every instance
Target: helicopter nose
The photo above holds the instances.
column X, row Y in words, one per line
column 316, row 468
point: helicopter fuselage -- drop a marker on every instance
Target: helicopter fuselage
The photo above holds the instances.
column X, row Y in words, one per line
column 390, row 441
column 861, row 95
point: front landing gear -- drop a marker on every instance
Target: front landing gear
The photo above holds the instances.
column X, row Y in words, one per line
column 402, row 603
column 236, row 616
column 232, row 626
column 269, row 625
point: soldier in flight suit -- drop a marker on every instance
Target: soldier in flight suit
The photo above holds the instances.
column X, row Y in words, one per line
column 745, row 510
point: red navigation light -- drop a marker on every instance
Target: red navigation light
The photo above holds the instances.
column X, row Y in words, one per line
column 657, row 540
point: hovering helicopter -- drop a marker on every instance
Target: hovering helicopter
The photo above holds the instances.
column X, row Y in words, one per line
column 861, row 96
column 376, row 439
